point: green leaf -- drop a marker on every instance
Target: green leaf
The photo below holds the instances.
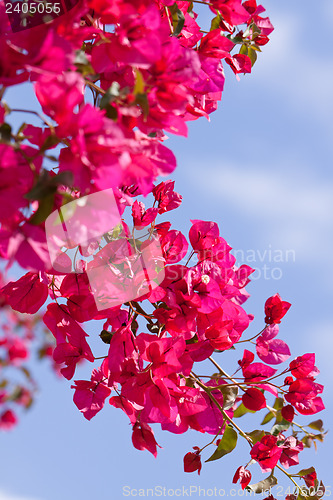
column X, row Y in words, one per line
column 263, row 485
column 241, row 410
column 110, row 95
column 235, row 39
column 139, row 86
column 116, row 231
column 5, row 132
column 81, row 58
column 277, row 428
column 45, row 207
column 244, row 49
column 256, row 47
column 278, row 404
column 178, row 19
column 255, row 29
column 192, row 340
column 320, row 437
column 105, row 336
column 300, row 496
column 47, row 185
column 317, row 425
column 3, row 383
column 134, row 326
column 189, row 9
column 26, row 372
column 256, row 435
column 305, row 472
column 229, row 396
column 307, row 441
column 215, row 24
column 248, row 31
column 111, row 112
column 267, row 418
column 22, row 127
column 142, row 100
column 49, row 143
column 226, row 445
column 82, row 64
column 252, row 54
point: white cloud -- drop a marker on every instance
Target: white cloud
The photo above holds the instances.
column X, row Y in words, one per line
column 322, row 346
column 301, row 70
column 9, row 496
column 294, row 206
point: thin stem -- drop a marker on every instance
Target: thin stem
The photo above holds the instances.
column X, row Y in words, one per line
column 169, row 21
column 216, row 365
column 17, row 110
column 224, row 373
column 199, row 1
column 190, row 257
column 278, row 375
column 301, row 427
column 212, row 441
column 140, row 311
column 291, row 479
column 226, row 416
column 248, row 340
column 94, row 86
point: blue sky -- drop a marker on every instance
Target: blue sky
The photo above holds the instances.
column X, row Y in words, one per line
column 261, row 169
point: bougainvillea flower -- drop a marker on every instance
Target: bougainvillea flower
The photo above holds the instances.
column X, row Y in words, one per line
column 214, row 44
column 275, row 309
column 89, row 396
column 243, row 475
column 253, row 399
column 272, row 351
column 174, row 246
column 232, row 11
column 310, row 479
column 255, row 372
column 239, row 63
column 288, row 413
column 72, row 346
column 303, row 366
column 17, row 350
column 26, row 295
column 247, row 359
column 16, row 180
column 266, row 452
column 166, row 197
column 8, row 420
column 142, row 217
column 192, row 461
column 59, row 94
column 143, row 438
column 290, row 450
